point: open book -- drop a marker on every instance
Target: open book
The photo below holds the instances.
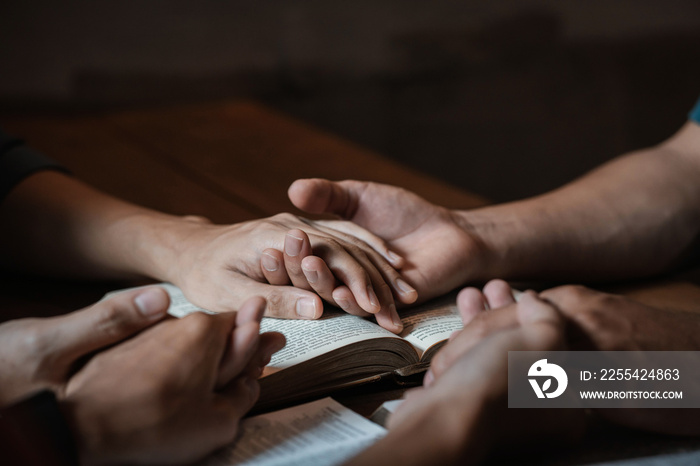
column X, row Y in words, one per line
column 322, row 433
column 341, row 350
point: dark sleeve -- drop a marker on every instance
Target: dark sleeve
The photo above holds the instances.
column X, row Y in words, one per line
column 34, row 432
column 18, row 161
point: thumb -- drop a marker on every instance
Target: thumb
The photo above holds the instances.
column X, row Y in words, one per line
column 319, row 196
column 108, row 322
column 542, row 323
column 532, row 309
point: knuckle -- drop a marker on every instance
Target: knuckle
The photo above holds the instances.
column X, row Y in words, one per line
column 278, row 305
column 32, row 338
column 607, row 301
column 383, row 290
column 387, row 269
column 590, row 319
column 285, row 217
column 333, row 244
column 578, row 291
column 356, row 251
column 197, row 324
column 575, row 295
column 114, row 321
column 478, row 327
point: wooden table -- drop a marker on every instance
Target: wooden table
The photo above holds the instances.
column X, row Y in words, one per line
column 229, row 162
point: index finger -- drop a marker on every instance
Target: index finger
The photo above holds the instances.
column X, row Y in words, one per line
column 202, row 339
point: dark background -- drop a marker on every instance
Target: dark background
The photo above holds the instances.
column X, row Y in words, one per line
column 504, row 98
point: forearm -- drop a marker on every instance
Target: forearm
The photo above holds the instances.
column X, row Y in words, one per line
column 62, row 227
column 635, row 216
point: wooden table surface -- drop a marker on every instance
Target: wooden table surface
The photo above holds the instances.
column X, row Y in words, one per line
column 230, row 162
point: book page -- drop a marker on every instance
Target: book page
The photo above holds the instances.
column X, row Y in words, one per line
column 431, row 323
column 381, row 415
column 424, row 326
column 321, row 433
column 307, row 339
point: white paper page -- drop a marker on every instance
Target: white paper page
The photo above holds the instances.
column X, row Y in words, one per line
column 381, row 415
column 392, row 405
column 322, row 433
column 307, row 339
column 431, row 323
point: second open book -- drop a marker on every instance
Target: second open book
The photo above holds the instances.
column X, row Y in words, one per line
column 340, row 350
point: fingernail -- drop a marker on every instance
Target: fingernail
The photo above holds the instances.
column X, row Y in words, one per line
column 404, row 287
column 395, row 317
column 292, row 245
column 371, row 295
column 393, row 257
column 429, row 378
column 269, row 262
column 152, row 303
column 343, row 303
column 311, row 275
column 306, row 308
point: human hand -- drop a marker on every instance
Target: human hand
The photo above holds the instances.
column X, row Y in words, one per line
column 213, row 260
column 38, row 354
column 595, row 321
column 173, row 393
column 447, row 424
column 609, row 322
column 439, row 249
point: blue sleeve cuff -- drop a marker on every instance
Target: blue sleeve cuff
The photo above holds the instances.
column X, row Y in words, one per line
column 694, row 114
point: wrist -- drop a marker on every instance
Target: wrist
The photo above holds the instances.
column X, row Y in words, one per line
column 518, row 240
column 493, row 237
column 157, row 242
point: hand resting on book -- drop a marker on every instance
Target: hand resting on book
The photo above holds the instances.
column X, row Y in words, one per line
column 63, row 227
column 343, row 285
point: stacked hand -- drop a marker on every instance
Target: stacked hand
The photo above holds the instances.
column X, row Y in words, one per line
column 438, row 248
column 595, row 321
column 186, row 382
column 218, row 267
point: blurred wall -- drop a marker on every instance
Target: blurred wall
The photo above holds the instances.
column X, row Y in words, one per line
column 505, row 98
